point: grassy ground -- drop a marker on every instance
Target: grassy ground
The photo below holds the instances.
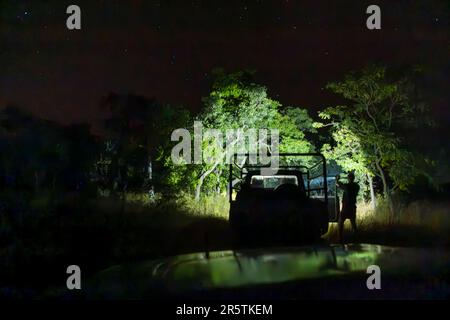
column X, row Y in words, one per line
column 101, row 232
column 105, row 231
column 417, row 223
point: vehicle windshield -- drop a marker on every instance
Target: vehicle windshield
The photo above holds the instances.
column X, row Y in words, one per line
column 271, row 182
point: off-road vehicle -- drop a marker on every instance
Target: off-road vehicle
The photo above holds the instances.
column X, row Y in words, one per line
column 293, row 205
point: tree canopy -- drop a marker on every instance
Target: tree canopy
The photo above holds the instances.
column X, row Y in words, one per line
column 237, row 102
column 369, row 132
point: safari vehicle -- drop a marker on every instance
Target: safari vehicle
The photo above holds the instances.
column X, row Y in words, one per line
column 293, row 205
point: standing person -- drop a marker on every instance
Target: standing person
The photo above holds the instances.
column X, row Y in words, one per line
column 348, row 211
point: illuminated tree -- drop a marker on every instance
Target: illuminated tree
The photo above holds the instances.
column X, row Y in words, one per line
column 348, row 153
column 236, row 102
column 369, row 133
column 296, row 131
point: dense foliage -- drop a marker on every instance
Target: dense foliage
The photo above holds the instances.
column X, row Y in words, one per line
column 367, row 135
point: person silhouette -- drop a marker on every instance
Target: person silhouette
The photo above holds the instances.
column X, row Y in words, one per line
column 348, row 211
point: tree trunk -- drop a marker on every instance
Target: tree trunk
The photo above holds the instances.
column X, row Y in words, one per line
column 386, row 190
column 373, row 200
column 219, row 173
column 202, row 179
column 151, row 188
column 207, row 173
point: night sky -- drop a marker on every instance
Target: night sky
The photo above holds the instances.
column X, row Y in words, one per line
column 167, row 50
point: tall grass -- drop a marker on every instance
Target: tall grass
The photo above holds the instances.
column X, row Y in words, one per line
column 100, row 232
column 104, row 231
column 416, row 223
column 216, row 205
column 212, row 206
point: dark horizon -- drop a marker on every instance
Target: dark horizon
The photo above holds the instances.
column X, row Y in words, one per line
column 167, row 51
